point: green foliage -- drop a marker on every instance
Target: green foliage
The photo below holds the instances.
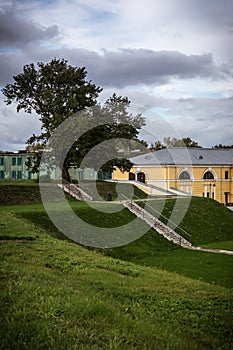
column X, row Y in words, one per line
column 116, row 123
column 184, row 142
column 156, row 146
column 56, row 91
column 222, row 146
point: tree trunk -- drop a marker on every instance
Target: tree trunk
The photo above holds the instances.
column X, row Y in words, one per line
column 65, row 174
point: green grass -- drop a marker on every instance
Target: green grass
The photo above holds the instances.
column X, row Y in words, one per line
column 21, row 182
column 27, row 191
column 19, row 194
column 206, row 220
column 227, row 245
column 210, row 225
column 105, row 187
column 151, row 249
column 58, row 295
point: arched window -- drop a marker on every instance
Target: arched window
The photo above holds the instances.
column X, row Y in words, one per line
column 184, row 175
column 208, row 176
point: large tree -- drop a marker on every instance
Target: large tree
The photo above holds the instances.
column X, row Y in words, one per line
column 118, row 125
column 53, row 90
column 56, row 91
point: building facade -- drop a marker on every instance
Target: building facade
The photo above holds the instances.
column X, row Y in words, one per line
column 195, row 171
column 13, row 166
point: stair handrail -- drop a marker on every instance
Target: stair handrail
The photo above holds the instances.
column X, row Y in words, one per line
column 72, row 187
column 160, row 214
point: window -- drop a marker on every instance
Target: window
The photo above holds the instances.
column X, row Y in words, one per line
column 184, row 176
column 19, row 161
column 131, row 176
column 13, row 161
column 2, row 175
column 13, row 174
column 208, row 176
column 19, row 173
column 1, row 161
column 226, row 175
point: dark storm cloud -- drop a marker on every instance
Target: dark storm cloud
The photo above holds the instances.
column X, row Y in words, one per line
column 15, row 32
column 10, row 64
column 138, row 66
column 123, row 67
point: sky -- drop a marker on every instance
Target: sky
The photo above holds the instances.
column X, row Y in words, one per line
column 172, row 58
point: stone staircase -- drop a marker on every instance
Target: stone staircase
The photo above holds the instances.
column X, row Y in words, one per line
column 156, row 224
column 143, row 214
column 76, row 192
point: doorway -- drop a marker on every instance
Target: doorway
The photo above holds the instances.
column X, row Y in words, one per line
column 141, row 177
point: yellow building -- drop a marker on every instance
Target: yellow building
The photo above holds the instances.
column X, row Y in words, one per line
column 196, row 171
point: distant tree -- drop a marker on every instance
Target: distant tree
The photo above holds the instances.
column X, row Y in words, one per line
column 156, row 146
column 222, row 146
column 184, row 142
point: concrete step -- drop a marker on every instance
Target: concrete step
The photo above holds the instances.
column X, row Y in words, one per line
column 156, row 224
column 76, row 192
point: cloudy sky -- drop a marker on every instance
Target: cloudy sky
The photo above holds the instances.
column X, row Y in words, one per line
column 172, row 58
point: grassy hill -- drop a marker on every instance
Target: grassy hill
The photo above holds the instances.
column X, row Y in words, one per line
column 99, row 190
column 58, row 295
column 206, row 220
column 209, row 223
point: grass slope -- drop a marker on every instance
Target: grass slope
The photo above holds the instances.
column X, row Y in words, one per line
column 99, row 190
column 206, row 220
column 210, row 225
column 151, row 249
column 58, row 295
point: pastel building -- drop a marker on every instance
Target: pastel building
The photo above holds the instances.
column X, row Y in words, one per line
column 197, row 171
column 13, row 166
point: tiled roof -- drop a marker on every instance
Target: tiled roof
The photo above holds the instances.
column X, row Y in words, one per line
column 186, row 156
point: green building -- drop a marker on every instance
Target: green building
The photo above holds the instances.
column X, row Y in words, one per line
column 13, row 166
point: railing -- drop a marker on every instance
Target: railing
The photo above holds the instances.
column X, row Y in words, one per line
column 175, row 226
column 77, row 191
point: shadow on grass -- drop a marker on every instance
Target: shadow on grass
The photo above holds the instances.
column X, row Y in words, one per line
column 41, row 220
